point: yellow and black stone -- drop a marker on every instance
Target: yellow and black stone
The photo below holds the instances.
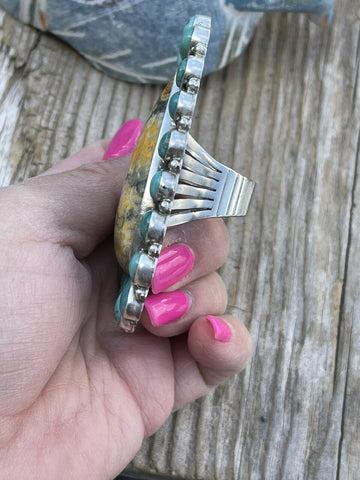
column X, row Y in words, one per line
column 127, row 235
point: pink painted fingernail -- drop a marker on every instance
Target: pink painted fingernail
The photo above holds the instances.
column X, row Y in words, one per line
column 124, row 140
column 165, row 308
column 173, row 264
column 222, row 331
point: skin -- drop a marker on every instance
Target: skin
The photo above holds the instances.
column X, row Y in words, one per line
column 78, row 396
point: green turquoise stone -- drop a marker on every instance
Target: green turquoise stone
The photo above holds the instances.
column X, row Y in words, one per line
column 134, row 262
column 180, row 72
column 123, row 280
column 179, row 59
column 144, row 225
column 173, row 104
column 122, row 298
column 154, row 185
column 186, row 38
column 164, row 144
column 117, row 311
column 124, row 294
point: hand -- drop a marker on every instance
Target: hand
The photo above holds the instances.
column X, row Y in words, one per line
column 78, row 396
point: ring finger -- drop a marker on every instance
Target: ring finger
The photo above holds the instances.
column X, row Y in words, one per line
column 172, row 313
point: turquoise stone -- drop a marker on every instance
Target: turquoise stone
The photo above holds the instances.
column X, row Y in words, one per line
column 134, row 262
column 122, row 298
column 186, row 38
column 180, row 72
column 173, row 104
column 154, row 185
column 122, row 280
column 179, row 59
column 144, row 225
column 124, row 294
column 117, row 311
column 164, row 144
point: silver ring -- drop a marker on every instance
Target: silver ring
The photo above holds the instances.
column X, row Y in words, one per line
column 171, row 179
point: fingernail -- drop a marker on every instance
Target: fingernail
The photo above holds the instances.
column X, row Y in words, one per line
column 222, row 331
column 173, row 264
column 124, row 140
column 165, row 308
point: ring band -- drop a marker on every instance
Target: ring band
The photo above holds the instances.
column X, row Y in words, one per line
column 171, row 179
column 208, row 188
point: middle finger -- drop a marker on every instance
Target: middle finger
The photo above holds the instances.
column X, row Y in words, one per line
column 190, row 251
column 172, row 313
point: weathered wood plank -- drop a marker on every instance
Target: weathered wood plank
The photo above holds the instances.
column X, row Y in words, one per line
column 349, row 347
column 286, row 114
column 53, row 102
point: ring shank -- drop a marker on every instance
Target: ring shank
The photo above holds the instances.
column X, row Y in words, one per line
column 208, row 188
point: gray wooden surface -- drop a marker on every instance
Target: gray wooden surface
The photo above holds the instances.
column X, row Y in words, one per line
column 287, row 114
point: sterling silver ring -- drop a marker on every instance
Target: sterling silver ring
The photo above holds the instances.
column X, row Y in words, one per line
column 171, row 179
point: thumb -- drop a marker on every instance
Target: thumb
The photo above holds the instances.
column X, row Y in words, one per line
column 76, row 207
column 121, row 145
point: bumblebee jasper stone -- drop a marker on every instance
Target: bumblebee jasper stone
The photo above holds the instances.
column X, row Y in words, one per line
column 128, row 237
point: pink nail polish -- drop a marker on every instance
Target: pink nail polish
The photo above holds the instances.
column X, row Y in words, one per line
column 222, row 331
column 124, row 139
column 165, row 308
column 173, row 264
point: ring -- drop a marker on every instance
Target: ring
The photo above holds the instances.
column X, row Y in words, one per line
column 171, row 179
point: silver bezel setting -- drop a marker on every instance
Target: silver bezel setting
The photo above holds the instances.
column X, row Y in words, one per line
column 160, row 204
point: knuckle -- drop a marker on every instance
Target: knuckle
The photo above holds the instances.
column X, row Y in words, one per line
column 218, row 238
column 217, row 292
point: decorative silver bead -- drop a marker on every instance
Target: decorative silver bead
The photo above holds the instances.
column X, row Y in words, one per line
column 165, row 206
column 192, row 85
column 174, row 166
column 154, row 250
column 140, row 293
column 183, row 123
column 199, row 49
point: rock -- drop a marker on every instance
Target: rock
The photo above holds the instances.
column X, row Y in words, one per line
column 138, row 40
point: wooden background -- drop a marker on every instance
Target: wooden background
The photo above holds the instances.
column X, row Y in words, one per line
column 287, row 114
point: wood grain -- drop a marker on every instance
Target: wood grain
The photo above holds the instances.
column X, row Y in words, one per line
column 287, row 114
